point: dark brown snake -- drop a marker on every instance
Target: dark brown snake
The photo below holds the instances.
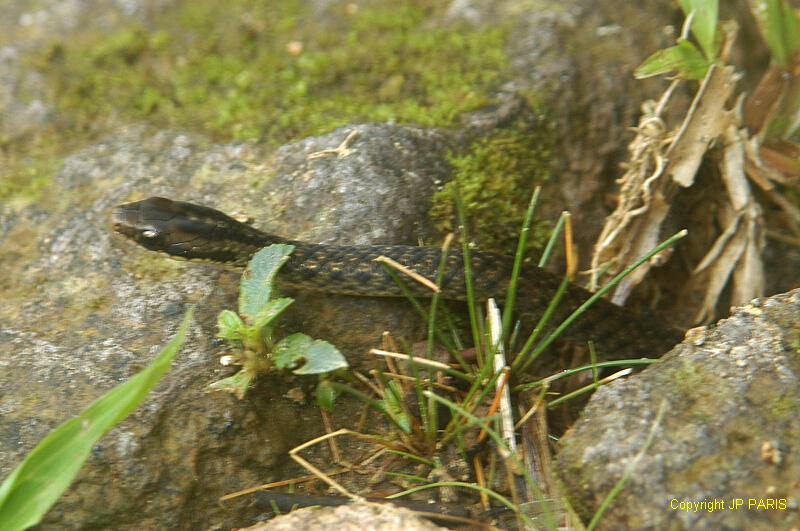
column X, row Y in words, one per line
column 188, row 231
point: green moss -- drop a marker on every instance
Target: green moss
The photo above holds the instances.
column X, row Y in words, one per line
column 267, row 71
column 783, row 408
column 275, row 71
column 688, row 379
column 496, row 178
column 26, row 177
column 693, row 383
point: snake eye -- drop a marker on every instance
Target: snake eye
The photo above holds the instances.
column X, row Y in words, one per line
column 150, row 233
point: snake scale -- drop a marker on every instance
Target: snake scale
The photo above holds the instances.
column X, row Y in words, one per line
column 189, row 231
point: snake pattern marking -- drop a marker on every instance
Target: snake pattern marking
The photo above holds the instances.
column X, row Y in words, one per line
column 189, row 231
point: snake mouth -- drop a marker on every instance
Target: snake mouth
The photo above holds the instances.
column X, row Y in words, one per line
column 123, row 220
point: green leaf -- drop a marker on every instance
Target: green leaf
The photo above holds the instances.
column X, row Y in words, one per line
column 35, row 485
column 394, row 407
column 271, row 311
column 683, row 58
column 326, row 395
column 256, row 285
column 780, row 27
column 704, row 24
column 231, row 326
column 238, row 384
column 319, row 356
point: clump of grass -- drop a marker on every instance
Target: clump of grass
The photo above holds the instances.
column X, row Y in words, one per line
column 433, row 405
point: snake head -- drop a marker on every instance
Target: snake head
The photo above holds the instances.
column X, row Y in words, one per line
column 145, row 222
column 185, row 230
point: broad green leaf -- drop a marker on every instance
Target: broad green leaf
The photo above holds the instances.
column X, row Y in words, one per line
column 271, row 311
column 683, row 58
column 238, row 384
column 35, row 485
column 291, row 351
column 256, row 285
column 326, row 395
column 316, row 356
column 231, row 326
column 780, row 27
column 704, row 24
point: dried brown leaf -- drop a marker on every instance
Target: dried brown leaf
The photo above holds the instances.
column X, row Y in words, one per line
column 706, row 120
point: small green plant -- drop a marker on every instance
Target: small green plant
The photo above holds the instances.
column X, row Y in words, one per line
column 35, row 485
column 687, row 59
column 251, row 331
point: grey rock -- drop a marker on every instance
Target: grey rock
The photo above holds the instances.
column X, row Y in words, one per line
column 378, row 193
column 23, row 104
column 26, row 104
column 355, row 517
column 730, row 431
column 84, row 310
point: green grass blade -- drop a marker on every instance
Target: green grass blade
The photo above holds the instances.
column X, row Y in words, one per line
column 435, row 297
column 428, row 411
column 35, row 485
column 551, row 243
column 591, row 300
column 486, row 424
column 472, row 486
column 473, row 313
column 440, row 336
column 413, row 457
column 480, row 388
column 780, row 27
column 522, row 243
column 569, row 372
column 523, row 359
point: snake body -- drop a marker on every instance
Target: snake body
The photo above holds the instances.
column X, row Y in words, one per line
column 189, row 231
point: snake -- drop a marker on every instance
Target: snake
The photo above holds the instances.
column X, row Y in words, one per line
column 189, row 231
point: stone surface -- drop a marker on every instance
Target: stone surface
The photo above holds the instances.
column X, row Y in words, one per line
column 378, row 193
column 25, row 99
column 730, row 430
column 355, row 517
column 87, row 310
column 78, row 318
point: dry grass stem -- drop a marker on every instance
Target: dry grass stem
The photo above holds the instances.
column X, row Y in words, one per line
column 409, row 273
column 407, row 357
